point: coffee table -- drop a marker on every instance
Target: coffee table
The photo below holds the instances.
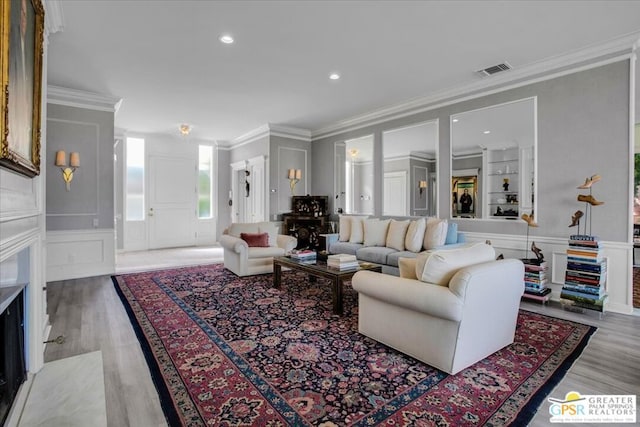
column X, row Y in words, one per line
column 320, row 269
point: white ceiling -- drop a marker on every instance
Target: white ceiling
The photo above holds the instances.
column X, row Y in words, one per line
column 164, row 58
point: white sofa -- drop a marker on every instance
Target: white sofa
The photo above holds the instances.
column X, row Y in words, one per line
column 386, row 253
column 246, row 261
column 448, row 327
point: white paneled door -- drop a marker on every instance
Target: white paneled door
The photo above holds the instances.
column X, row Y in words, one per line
column 172, row 197
column 395, row 194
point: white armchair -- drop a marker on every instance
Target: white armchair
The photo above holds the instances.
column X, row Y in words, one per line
column 448, row 327
column 244, row 260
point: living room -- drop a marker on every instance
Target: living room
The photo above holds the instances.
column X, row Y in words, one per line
column 586, row 105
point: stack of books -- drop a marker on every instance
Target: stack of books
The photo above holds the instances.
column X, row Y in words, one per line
column 304, row 255
column 342, row 261
column 535, row 280
column 584, row 281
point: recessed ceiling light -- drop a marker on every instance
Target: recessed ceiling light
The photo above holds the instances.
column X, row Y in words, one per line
column 226, row 39
column 334, row 76
column 486, row 132
column 455, row 120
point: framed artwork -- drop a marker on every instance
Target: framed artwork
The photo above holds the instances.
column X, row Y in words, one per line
column 22, row 31
column 464, row 196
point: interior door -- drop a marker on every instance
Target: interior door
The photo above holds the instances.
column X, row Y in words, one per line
column 395, row 194
column 172, row 208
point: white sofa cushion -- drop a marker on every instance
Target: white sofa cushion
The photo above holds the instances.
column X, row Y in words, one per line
column 357, row 229
column 375, row 232
column 415, row 235
column 436, row 233
column 272, row 230
column 254, row 253
column 396, row 234
column 243, row 227
column 439, row 266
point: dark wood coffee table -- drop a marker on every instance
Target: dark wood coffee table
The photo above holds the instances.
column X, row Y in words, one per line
column 320, row 269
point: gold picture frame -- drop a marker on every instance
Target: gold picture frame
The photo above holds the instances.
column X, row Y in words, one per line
column 22, row 32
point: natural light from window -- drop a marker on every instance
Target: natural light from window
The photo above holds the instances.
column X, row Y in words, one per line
column 205, row 182
column 135, row 179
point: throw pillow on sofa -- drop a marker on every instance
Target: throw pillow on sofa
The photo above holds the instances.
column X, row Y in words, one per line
column 344, row 228
column 436, row 233
column 452, row 233
column 357, row 230
column 415, row 235
column 439, row 266
column 397, row 234
column 256, row 240
column 407, row 267
column 375, row 232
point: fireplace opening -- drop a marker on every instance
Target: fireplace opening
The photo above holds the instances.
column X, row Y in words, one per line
column 12, row 363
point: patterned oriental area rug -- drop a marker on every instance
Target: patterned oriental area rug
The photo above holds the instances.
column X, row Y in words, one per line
column 230, row 351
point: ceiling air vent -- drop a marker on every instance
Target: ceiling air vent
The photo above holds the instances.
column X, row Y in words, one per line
column 489, row 71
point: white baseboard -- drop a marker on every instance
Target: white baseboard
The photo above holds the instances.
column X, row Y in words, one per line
column 619, row 263
column 13, row 419
column 80, row 253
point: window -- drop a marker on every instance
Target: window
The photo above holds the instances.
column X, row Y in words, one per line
column 205, row 182
column 134, row 187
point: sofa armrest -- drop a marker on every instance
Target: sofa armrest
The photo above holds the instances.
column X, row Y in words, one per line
column 504, row 279
column 234, row 244
column 288, row 243
column 419, row 296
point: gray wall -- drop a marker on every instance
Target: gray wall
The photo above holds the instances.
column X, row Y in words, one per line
column 119, row 191
column 284, row 154
column 90, row 133
column 583, row 129
column 224, row 186
column 259, row 147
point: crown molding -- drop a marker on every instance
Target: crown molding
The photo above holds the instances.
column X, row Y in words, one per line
column 592, row 56
column 267, row 130
column 53, row 16
column 290, row 132
column 81, row 99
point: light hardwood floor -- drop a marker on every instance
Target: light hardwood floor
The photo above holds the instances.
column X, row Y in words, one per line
column 89, row 314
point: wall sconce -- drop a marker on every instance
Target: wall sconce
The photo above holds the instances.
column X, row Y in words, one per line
column 421, row 186
column 294, row 175
column 67, row 171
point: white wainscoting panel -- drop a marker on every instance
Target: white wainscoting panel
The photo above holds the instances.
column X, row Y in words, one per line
column 619, row 257
column 72, row 254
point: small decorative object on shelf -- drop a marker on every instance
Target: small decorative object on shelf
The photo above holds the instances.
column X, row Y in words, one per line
column 586, row 275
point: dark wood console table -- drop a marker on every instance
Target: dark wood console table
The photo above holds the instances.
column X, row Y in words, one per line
column 308, row 219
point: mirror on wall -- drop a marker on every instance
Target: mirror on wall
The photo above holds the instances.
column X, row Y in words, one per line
column 493, row 161
column 353, row 192
column 409, row 155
